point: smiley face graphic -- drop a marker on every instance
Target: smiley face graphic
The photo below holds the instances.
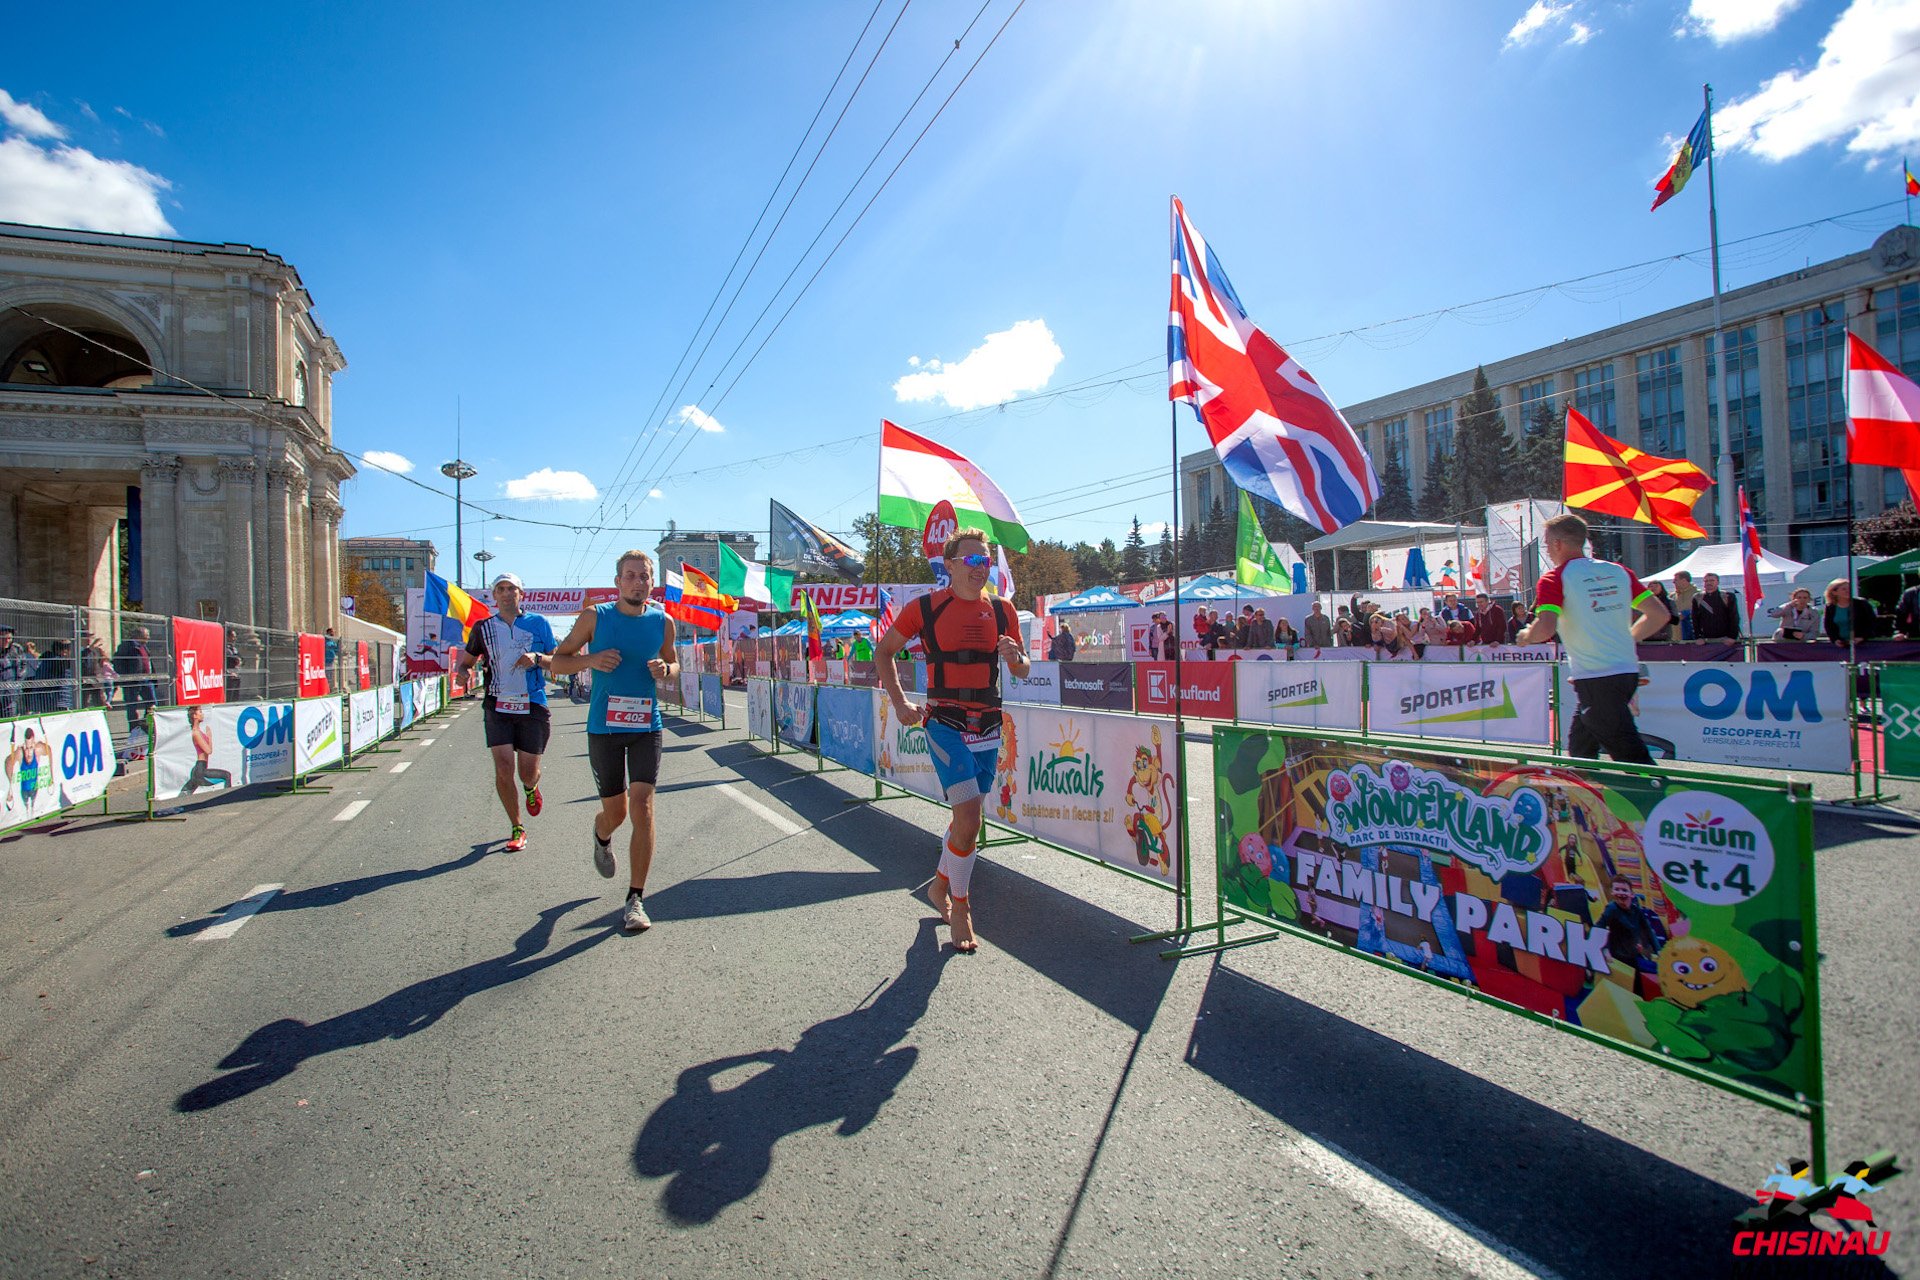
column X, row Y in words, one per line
column 1693, row 971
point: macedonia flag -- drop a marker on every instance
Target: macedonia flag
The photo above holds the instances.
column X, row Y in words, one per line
column 1615, row 479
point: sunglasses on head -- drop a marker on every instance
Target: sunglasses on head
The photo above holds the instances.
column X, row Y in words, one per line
column 975, row 562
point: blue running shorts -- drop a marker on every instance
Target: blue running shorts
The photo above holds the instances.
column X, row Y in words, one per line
column 964, row 762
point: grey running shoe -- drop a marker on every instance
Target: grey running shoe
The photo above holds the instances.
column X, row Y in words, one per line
column 636, row 921
column 603, row 856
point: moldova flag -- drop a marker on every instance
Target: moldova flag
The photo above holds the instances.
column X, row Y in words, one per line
column 1692, row 154
column 444, row 600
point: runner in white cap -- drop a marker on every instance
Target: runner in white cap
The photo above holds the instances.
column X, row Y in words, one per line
column 516, row 647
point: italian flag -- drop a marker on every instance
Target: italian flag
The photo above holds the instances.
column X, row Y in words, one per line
column 751, row 580
column 916, row 474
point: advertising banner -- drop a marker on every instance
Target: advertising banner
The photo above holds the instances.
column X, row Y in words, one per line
column 1042, row 684
column 1101, row 785
column 713, row 699
column 1664, row 913
column 760, row 708
column 1104, row 686
column 232, row 744
column 317, row 734
column 384, row 699
column 836, row 671
column 1510, row 652
column 313, row 666
column 1314, row 695
column 406, row 691
column 363, row 719
column 1348, row 653
column 793, row 713
column 1481, row 701
column 1900, row 702
column 199, row 662
column 1767, row 715
column 901, row 756
column 689, row 690
column 1206, row 689
column 53, row 763
column 363, row 664
column 846, row 723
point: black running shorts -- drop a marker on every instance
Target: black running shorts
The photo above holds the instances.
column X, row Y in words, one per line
column 527, row 733
column 621, row 759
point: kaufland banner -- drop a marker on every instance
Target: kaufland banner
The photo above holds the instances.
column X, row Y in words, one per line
column 313, row 666
column 199, row 662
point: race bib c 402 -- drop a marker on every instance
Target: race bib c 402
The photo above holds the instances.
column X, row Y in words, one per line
column 633, row 713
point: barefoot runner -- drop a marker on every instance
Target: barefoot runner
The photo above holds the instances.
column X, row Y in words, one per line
column 628, row 645
column 516, row 646
column 966, row 638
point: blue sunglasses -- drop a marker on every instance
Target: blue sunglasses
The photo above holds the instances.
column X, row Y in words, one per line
column 975, row 562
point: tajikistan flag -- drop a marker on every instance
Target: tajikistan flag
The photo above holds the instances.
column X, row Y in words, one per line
column 751, row 580
column 916, row 474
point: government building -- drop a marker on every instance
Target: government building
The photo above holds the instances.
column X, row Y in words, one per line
column 1649, row 382
column 395, row 563
column 168, row 404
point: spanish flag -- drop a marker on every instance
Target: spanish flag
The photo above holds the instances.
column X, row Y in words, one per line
column 444, row 600
column 1615, row 479
column 1692, row 154
column 690, row 596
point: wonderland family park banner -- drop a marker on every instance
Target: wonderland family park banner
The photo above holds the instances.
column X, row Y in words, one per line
column 1668, row 912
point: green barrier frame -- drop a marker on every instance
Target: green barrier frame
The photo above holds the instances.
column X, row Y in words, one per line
column 144, row 814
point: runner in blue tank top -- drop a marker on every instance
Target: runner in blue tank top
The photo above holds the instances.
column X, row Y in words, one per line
column 628, row 645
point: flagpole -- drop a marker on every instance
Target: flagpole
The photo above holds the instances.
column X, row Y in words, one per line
column 1719, row 389
column 1184, row 909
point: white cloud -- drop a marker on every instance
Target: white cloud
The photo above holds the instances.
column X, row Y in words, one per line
column 387, row 461
column 1535, row 20
column 1865, row 89
column 1019, row 359
column 1580, row 34
column 1724, row 21
column 24, row 118
column 655, row 493
column 63, row 186
column 700, row 418
column 548, row 485
column 1152, row 532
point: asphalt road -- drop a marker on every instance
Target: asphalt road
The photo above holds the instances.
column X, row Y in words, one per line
column 427, row 1056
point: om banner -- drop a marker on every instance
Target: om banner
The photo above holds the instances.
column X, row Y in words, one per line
column 230, row 744
column 1664, row 912
column 793, row 713
column 1484, row 701
column 52, row 763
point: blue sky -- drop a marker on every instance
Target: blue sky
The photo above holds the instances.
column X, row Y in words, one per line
column 529, row 211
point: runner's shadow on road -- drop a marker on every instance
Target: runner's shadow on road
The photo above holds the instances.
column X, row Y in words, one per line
column 716, row 1145
column 773, row 891
column 277, row 1049
column 1579, row 1201
column 328, row 895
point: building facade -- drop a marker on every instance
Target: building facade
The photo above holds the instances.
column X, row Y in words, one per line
column 174, row 398
column 1650, row 383
column 395, row 563
column 702, row 549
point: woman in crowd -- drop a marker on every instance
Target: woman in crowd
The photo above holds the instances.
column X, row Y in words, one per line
column 1798, row 621
column 1432, row 630
column 1848, row 619
column 1284, row 636
column 1343, row 631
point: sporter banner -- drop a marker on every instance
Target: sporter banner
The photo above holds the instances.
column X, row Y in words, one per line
column 760, row 708
column 363, row 719
column 317, row 734
column 1098, row 784
column 234, row 744
column 313, row 666
column 384, row 698
column 793, row 713
column 199, row 662
column 52, row 763
column 1900, row 702
column 1314, row 695
column 713, row 700
column 1666, row 913
column 1206, row 689
column 845, row 717
column 1041, row 685
column 1480, row 701
column 1105, row 686
column 1767, row 715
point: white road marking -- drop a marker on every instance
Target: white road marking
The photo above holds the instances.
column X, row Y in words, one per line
column 1446, row 1233
column 239, row 913
column 426, row 742
column 352, row 811
column 782, row 822
column 402, row 767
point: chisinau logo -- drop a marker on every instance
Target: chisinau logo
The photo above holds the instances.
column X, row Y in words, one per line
column 1782, row 1223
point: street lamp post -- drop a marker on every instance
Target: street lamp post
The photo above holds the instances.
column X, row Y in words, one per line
column 458, row 471
column 483, row 556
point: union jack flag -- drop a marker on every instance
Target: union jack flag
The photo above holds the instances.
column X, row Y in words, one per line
column 1275, row 430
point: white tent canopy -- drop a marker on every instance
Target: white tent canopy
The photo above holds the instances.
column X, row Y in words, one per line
column 1724, row 558
column 1367, row 535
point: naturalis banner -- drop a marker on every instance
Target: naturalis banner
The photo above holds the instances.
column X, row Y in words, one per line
column 53, row 763
column 1313, row 695
column 1479, row 701
column 231, row 744
column 1661, row 912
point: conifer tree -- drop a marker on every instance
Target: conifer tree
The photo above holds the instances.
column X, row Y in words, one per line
column 1133, row 559
column 1163, row 555
column 1220, row 536
column 1396, row 494
column 1484, row 457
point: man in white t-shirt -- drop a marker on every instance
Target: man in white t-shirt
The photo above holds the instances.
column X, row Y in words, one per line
column 1589, row 605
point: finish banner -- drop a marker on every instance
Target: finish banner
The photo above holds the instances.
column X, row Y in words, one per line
column 1481, row 701
column 1041, row 685
column 199, row 662
column 233, row 744
column 793, row 713
column 363, row 719
column 760, row 708
column 1664, row 913
column 53, row 763
column 1206, row 689
column 1768, row 715
column 1105, row 686
column 1314, row 695
column 845, row 717
column 318, row 734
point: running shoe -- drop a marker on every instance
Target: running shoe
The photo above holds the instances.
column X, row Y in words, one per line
column 603, row 855
column 519, row 840
column 636, row 921
column 533, row 800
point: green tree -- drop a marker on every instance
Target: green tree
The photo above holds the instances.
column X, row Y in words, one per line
column 1541, row 464
column 893, row 555
column 1396, row 494
column 1484, row 457
column 1133, row 559
column 1889, row 533
column 1434, row 504
column 1219, row 536
column 1109, row 560
column 1042, row 569
column 1192, row 552
column 1163, row 554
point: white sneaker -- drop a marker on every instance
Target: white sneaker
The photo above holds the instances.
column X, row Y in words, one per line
column 603, row 856
column 636, row 921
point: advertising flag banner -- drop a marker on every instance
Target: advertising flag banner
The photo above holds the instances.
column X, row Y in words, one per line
column 318, row 736
column 845, row 716
column 1313, row 695
column 1042, row 684
column 363, row 664
column 384, row 698
column 793, row 713
column 363, row 719
column 1105, row 686
column 233, row 744
column 1664, row 913
column 804, row 547
column 1256, row 562
column 1100, row 785
column 313, row 666
column 760, row 708
column 713, row 700
column 199, row 662
column 942, row 524
column 1770, row 715
column 53, row 763
column 1206, row 689
column 1481, row 701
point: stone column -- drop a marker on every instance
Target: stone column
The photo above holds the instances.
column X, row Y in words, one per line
column 281, row 585
column 237, row 475
column 159, row 540
column 326, row 567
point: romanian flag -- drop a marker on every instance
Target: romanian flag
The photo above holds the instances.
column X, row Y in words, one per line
column 811, row 613
column 1615, row 479
column 1913, row 183
column 444, row 600
column 1692, row 154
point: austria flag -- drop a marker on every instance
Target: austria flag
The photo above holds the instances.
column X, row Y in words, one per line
column 1883, row 414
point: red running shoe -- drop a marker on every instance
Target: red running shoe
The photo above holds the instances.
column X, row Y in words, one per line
column 533, row 800
column 519, row 840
